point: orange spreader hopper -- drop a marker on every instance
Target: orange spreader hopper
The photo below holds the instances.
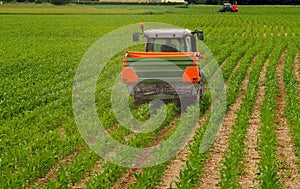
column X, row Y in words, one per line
column 164, row 54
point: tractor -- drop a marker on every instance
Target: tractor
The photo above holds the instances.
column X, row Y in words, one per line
column 227, row 7
column 168, row 69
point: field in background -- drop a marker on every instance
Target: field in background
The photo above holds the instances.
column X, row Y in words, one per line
column 29, row 8
column 256, row 48
column 67, row 9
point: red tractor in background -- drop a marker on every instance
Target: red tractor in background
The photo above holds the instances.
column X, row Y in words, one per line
column 227, row 7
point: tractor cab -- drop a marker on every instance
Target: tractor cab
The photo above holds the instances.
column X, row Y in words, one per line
column 170, row 40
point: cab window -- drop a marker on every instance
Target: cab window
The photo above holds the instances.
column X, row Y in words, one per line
column 166, row 45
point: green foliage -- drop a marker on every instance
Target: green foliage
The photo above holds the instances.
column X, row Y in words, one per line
column 38, row 1
column 111, row 171
column 292, row 97
column 60, row 2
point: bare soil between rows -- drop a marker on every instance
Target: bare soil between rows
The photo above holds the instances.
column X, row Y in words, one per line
column 128, row 178
column 52, row 173
column 173, row 169
column 249, row 179
column 212, row 167
column 288, row 169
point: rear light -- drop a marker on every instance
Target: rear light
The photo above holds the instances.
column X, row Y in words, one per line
column 129, row 75
column 191, row 75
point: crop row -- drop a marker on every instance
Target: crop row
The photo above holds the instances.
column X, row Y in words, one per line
column 151, row 177
column 26, row 152
column 111, row 171
column 292, row 108
column 83, row 162
column 233, row 164
column 189, row 176
column 267, row 138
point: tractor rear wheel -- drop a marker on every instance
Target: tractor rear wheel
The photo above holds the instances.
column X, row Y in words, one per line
column 200, row 90
column 184, row 103
column 138, row 101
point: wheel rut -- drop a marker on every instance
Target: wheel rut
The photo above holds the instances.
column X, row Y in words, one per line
column 128, row 178
column 52, row 173
column 176, row 164
column 212, row 176
column 248, row 180
column 96, row 170
column 288, row 169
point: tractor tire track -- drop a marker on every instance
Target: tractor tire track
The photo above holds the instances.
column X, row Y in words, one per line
column 96, row 170
column 248, row 180
column 129, row 177
column 212, row 166
column 177, row 163
column 52, row 173
column 288, row 169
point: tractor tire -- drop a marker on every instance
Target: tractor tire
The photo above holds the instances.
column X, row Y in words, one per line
column 200, row 91
column 201, row 88
column 186, row 102
column 138, row 102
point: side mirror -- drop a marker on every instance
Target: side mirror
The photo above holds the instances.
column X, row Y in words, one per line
column 135, row 37
column 200, row 35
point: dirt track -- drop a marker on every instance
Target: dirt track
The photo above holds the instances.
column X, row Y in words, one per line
column 213, row 164
column 249, row 180
column 52, row 175
column 128, row 178
column 173, row 169
column 289, row 174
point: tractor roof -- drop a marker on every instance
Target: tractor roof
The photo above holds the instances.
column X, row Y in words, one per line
column 167, row 33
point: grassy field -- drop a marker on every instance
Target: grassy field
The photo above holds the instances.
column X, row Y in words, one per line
column 68, row 9
column 257, row 49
